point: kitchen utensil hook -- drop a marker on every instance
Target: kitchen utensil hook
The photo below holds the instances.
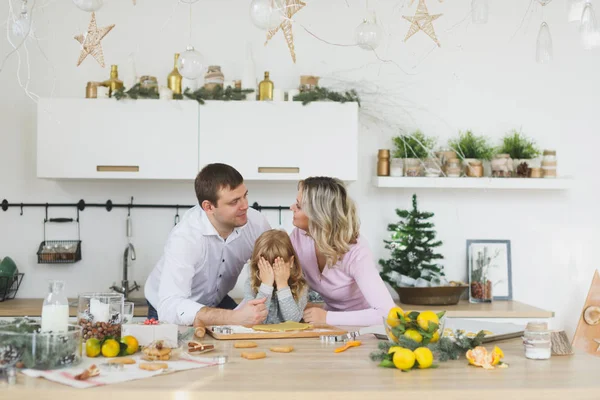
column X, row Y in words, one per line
column 280, row 217
column 21, row 208
column 129, row 207
column 46, row 219
column 176, row 219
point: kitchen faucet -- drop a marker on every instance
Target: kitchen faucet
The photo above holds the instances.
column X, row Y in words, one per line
column 125, row 289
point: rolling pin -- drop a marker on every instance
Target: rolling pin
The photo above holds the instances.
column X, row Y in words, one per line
column 199, row 330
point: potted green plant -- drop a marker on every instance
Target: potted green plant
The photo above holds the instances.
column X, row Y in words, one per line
column 413, row 148
column 522, row 150
column 472, row 150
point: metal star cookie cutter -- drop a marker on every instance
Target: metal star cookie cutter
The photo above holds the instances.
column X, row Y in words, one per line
column 224, row 330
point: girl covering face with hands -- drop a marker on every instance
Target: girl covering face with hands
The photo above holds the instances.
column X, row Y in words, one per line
column 275, row 274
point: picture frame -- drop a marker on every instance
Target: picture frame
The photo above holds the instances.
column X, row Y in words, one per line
column 489, row 261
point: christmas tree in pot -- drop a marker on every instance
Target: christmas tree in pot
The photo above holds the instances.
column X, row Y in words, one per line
column 414, row 258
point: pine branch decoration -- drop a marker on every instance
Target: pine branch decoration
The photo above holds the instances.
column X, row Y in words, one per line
column 444, row 350
column 323, row 94
column 200, row 95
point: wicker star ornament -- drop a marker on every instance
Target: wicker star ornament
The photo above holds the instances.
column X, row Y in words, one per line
column 291, row 8
column 90, row 42
column 422, row 21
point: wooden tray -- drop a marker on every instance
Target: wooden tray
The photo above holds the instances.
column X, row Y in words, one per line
column 309, row 333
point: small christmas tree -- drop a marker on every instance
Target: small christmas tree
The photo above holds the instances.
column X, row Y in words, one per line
column 412, row 244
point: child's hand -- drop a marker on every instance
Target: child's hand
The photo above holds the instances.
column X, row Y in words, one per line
column 265, row 272
column 282, row 272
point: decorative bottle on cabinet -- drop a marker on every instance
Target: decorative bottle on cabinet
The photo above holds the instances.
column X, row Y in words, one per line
column 113, row 83
column 265, row 88
column 174, row 79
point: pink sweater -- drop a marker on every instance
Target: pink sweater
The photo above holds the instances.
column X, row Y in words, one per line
column 353, row 291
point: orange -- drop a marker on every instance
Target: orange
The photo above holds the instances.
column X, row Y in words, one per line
column 132, row 344
column 110, row 348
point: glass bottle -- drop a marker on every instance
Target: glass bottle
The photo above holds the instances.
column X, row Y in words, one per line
column 174, row 79
column 113, row 83
column 55, row 310
column 383, row 162
column 265, row 88
column 537, row 341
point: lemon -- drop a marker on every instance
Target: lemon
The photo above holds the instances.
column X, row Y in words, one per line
column 424, row 357
column 406, row 316
column 425, row 318
column 92, row 347
column 404, row 358
column 414, row 335
column 436, row 337
column 110, row 348
column 132, row 344
column 393, row 349
column 393, row 319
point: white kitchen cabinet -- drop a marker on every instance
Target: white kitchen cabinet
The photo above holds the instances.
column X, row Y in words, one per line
column 106, row 138
column 281, row 140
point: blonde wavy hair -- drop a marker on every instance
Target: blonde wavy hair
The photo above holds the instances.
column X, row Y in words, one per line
column 270, row 245
column 333, row 221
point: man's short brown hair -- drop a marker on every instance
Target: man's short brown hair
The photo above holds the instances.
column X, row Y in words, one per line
column 213, row 178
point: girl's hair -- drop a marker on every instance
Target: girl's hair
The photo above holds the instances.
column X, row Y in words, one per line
column 333, row 221
column 270, row 245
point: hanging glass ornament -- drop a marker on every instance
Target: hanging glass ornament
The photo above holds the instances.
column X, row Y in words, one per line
column 479, row 11
column 543, row 51
column 575, row 10
column 191, row 63
column 89, row 5
column 368, row 34
column 266, row 14
column 588, row 30
column 22, row 25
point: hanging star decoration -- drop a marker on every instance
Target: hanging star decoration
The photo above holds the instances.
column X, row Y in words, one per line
column 422, row 21
column 90, row 42
column 291, row 8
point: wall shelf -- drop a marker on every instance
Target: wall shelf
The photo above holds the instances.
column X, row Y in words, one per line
column 562, row 183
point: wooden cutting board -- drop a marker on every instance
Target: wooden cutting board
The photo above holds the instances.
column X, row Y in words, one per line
column 318, row 330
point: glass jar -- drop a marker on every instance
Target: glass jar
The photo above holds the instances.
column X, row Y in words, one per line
column 55, row 309
column 100, row 315
column 433, row 167
column 412, row 167
column 453, row 168
column 383, row 162
column 474, row 168
column 549, row 164
column 502, row 166
column 537, row 341
column 396, row 167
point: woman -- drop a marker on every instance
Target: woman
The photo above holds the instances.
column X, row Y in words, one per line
column 337, row 261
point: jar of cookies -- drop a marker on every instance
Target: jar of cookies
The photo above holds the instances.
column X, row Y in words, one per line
column 100, row 315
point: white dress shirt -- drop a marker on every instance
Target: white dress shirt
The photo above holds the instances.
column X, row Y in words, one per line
column 198, row 267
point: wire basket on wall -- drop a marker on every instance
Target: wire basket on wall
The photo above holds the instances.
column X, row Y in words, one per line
column 9, row 286
column 60, row 251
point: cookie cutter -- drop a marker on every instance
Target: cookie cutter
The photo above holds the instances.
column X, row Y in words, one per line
column 224, row 330
column 340, row 338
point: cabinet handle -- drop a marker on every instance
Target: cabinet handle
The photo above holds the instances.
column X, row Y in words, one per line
column 279, row 170
column 117, row 168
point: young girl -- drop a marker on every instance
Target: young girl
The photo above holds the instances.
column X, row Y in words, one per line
column 275, row 273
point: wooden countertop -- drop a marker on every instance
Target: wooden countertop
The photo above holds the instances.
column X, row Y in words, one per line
column 314, row 371
column 496, row 309
column 464, row 309
column 33, row 308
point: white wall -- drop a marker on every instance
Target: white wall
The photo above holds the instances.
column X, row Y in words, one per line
column 484, row 77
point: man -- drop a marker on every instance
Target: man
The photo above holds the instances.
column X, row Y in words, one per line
column 205, row 254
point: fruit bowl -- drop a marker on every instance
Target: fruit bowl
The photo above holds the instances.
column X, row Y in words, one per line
column 423, row 327
column 22, row 344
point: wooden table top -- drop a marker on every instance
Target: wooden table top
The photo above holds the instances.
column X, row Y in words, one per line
column 464, row 309
column 314, row 371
